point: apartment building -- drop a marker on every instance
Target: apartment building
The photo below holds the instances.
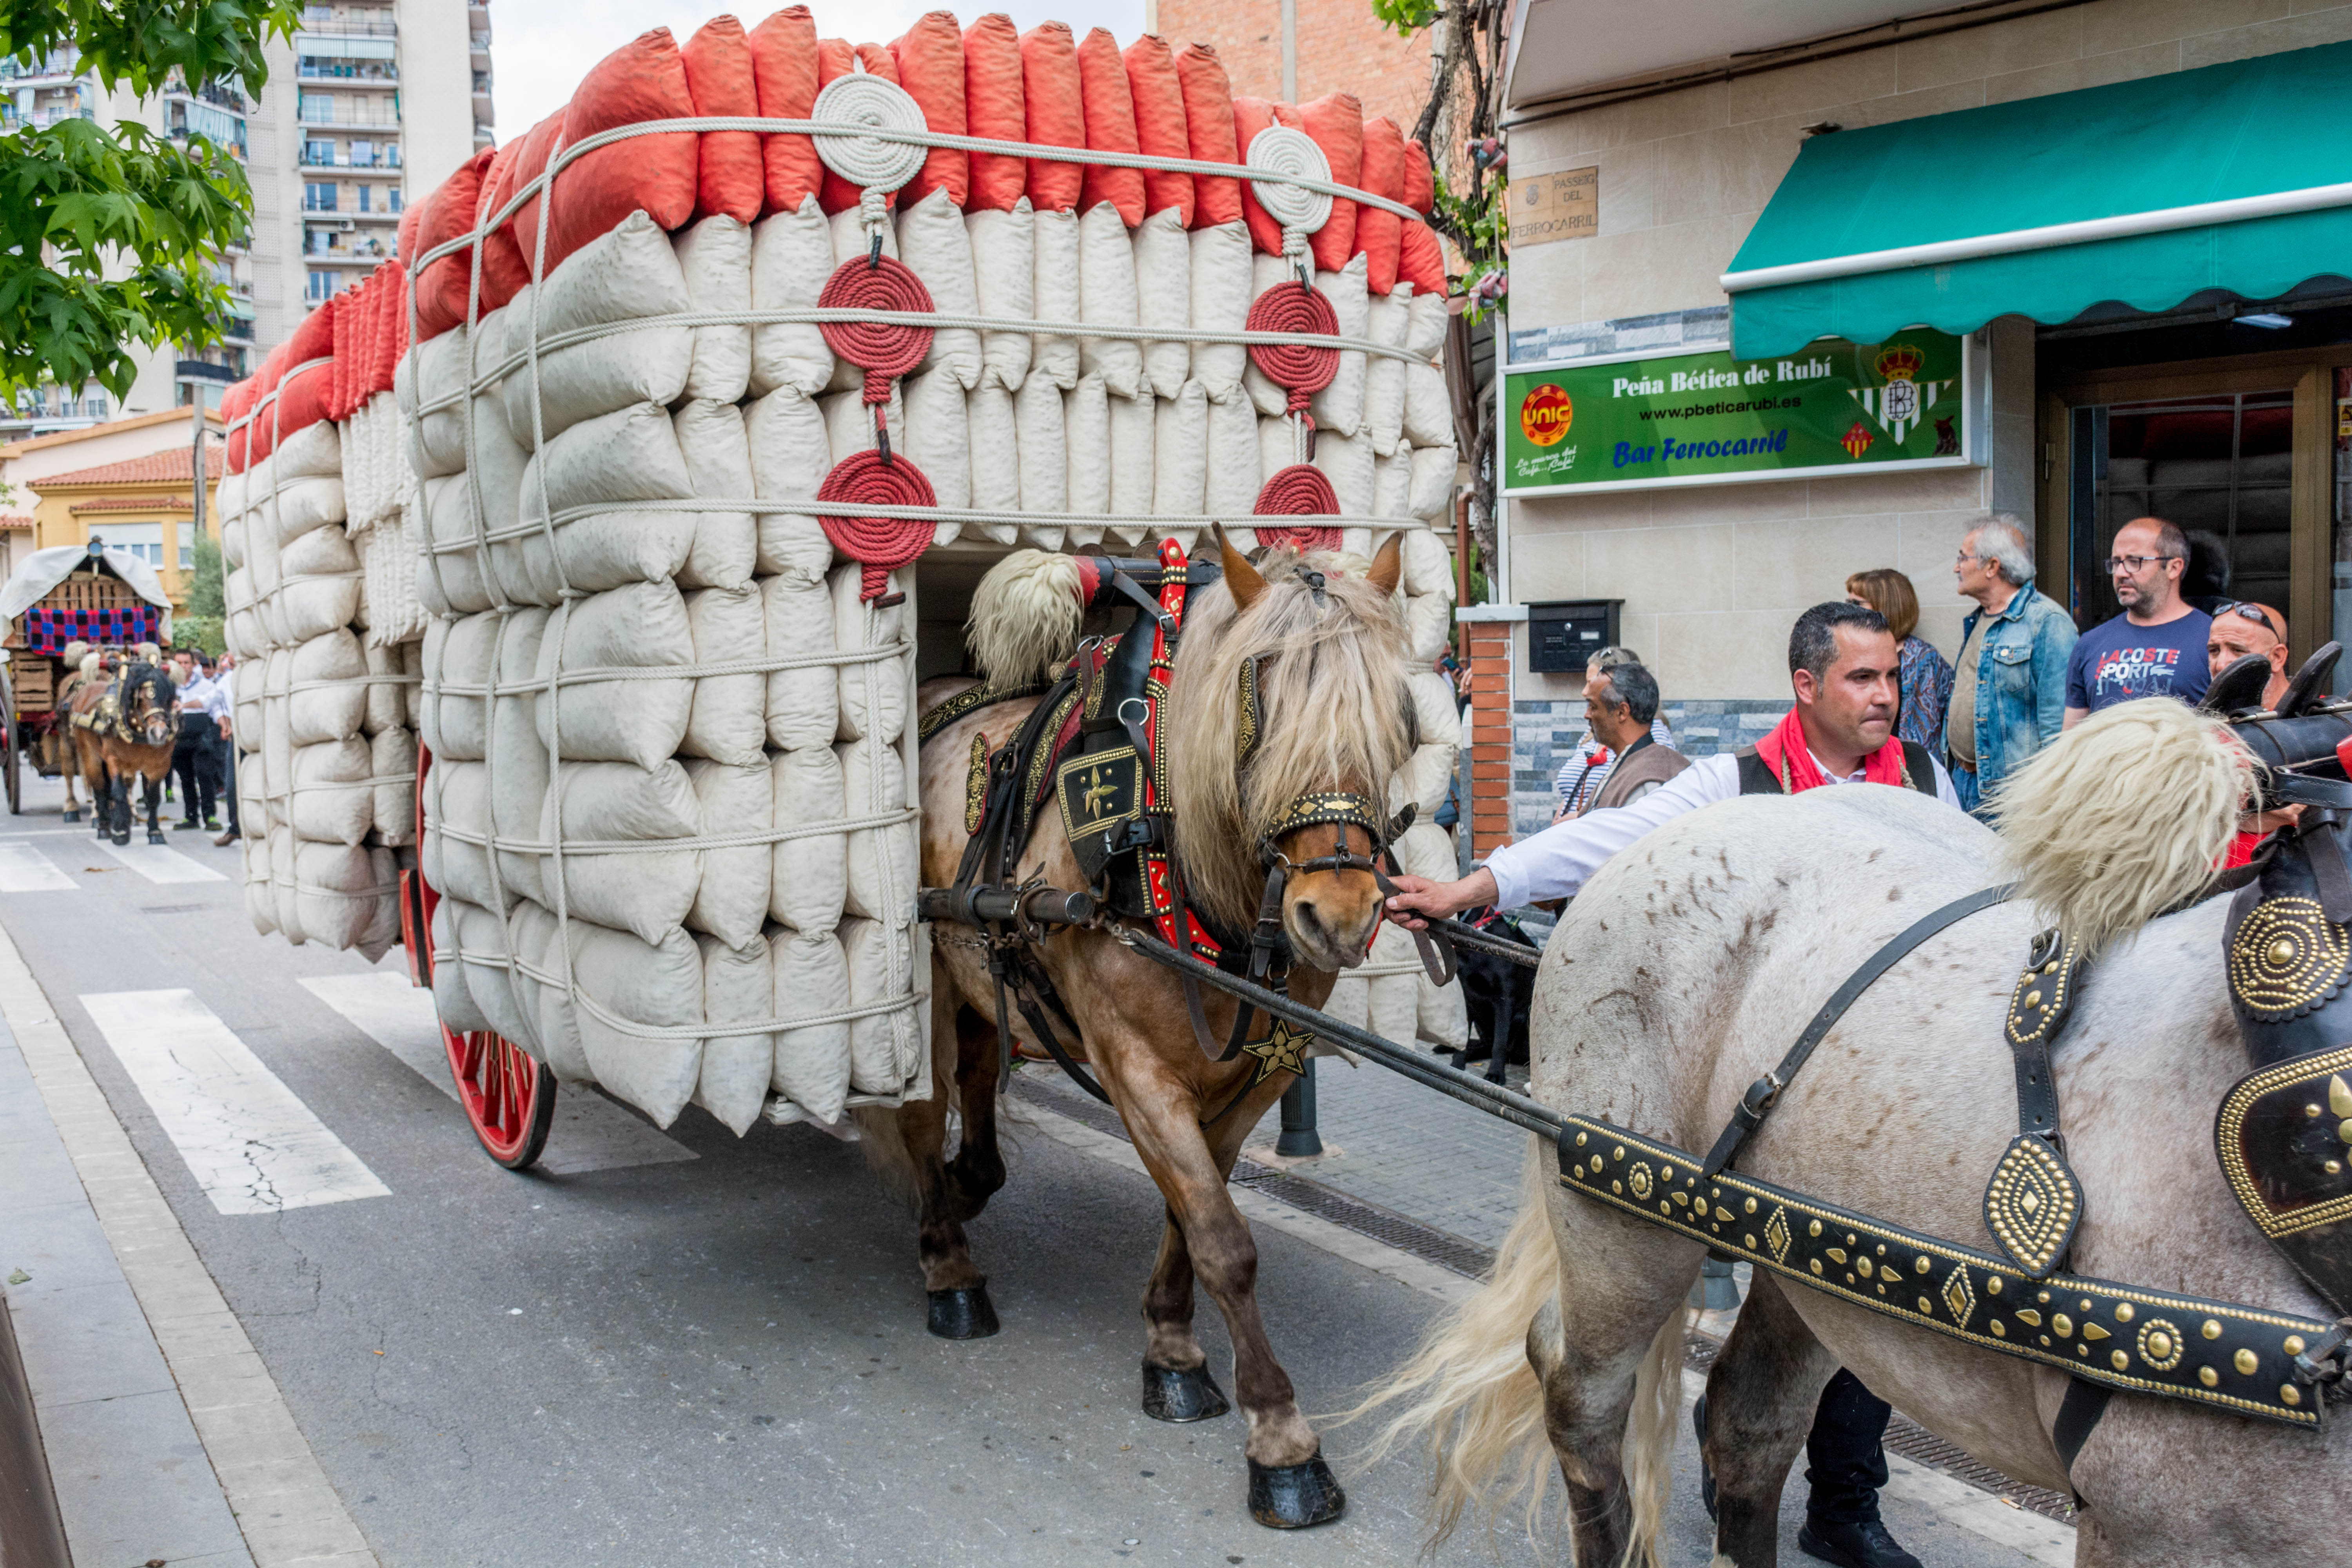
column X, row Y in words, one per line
column 372, row 100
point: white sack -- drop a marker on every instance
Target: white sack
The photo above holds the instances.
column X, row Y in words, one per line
column 1004, row 277
column 1222, row 292
column 1163, row 290
column 1107, row 298
column 791, row 257
column 934, row 246
column 627, row 274
column 1056, row 244
column 715, row 259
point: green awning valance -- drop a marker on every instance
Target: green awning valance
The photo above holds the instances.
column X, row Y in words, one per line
column 2233, row 176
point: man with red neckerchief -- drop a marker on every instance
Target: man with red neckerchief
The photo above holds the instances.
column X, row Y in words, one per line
column 1845, row 673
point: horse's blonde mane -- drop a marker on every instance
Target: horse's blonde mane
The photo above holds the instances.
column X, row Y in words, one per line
column 2123, row 817
column 1331, row 707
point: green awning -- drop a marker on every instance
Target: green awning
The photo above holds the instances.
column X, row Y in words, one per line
column 2233, row 176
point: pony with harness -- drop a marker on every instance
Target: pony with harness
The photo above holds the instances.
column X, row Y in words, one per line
column 125, row 728
column 1208, row 782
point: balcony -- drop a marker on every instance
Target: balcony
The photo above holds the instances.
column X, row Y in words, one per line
column 480, row 47
column 383, row 161
column 351, row 73
column 347, row 28
column 373, row 118
column 483, row 115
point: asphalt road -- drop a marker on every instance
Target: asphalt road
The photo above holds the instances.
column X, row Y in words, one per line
column 719, row 1359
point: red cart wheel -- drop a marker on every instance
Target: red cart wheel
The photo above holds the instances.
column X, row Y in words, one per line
column 508, row 1094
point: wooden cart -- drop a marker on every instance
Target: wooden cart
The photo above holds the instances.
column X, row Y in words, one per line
column 36, row 727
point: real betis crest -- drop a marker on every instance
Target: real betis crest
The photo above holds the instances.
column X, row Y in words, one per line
column 1899, row 404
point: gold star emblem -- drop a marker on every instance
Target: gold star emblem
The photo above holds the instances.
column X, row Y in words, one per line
column 1284, row 1049
column 1097, row 794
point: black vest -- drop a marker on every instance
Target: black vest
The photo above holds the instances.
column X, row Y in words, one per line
column 1755, row 778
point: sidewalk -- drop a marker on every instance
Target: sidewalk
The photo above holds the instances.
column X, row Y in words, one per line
column 166, row 1436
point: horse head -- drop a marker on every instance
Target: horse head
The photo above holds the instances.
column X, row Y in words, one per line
column 1290, row 715
column 147, row 699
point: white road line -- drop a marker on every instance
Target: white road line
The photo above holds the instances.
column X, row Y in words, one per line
column 160, row 863
column 25, row 869
column 252, row 1145
column 589, row 1132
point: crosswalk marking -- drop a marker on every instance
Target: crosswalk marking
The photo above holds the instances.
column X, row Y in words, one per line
column 252, row 1145
column 25, row 869
column 160, row 863
column 589, row 1133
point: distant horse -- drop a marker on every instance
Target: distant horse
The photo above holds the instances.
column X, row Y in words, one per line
column 82, row 663
column 121, row 730
column 1329, row 649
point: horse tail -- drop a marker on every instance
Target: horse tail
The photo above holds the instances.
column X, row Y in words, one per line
column 1469, row 1390
column 1026, row 616
column 1648, row 1454
column 2124, row 816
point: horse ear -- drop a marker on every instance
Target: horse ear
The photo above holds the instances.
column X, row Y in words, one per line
column 1241, row 580
column 1388, row 565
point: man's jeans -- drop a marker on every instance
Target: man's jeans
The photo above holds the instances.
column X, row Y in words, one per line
column 1846, row 1454
column 1964, row 785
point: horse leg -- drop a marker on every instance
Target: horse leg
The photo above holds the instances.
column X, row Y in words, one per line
column 1760, row 1396
column 1291, row 1487
column 1607, row 1353
column 960, row 1307
column 154, row 809
column 119, row 803
column 1176, row 1383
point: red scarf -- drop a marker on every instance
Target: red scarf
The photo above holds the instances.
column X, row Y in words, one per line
column 1791, row 761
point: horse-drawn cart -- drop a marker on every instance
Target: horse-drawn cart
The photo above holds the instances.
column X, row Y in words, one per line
column 59, row 596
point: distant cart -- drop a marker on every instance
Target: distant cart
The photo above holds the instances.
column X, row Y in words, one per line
column 107, row 598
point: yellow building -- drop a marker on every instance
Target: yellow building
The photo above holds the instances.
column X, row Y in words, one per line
column 143, row 505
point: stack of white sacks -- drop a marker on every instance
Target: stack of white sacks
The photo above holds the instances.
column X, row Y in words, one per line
column 326, row 711
column 672, row 729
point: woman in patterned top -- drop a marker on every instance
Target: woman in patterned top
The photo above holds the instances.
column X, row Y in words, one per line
column 1926, row 677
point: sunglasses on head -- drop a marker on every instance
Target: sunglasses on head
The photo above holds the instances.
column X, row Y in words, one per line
column 2248, row 610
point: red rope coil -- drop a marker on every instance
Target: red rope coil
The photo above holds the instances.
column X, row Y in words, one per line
column 881, row 349
column 1305, row 371
column 879, row 544
column 1299, row 490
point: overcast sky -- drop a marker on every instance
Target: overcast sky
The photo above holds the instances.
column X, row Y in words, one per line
column 540, row 48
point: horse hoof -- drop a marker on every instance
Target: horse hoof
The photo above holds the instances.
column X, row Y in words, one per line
column 119, row 838
column 1295, row 1497
column 157, row 839
column 964, row 1314
column 1170, row 1393
column 71, row 817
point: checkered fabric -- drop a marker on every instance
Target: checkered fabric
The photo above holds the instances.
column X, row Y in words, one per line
column 49, row 631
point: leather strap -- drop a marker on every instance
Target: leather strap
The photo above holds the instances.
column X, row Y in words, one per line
column 2078, row 1416
column 1765, row 1093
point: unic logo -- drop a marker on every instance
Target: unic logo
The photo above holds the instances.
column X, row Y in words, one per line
column 1545, row 414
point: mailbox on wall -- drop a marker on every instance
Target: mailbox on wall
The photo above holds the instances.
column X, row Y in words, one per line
column 1563, row 635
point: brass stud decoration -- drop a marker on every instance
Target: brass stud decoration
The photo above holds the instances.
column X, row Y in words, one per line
column 2161, row 1346
column 2286, row 958
column 2031, row 1204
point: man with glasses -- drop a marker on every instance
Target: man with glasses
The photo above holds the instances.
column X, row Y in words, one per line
column 2246, row 628
column 2009, row 687
column 2157, row 646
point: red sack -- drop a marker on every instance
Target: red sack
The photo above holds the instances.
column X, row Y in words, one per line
column 784, row 68
column 510, row 249
column 1251, row 115
column 234, row 403
column 994, row 106
column 643, row 80
column 391, row 326
column 1208, row 126
column 833, row 56
column 1377, row 232
column 1419, row 186
column 1053, row 104
column 719, row 79
column 347, row 354
column 301, row 399
column 403, row 242
column 930, row 58
column 1421, row 260
column 1159, row 128
column 1110, row 127
column 1336, row 122
column 504, row 271
column 448, row 213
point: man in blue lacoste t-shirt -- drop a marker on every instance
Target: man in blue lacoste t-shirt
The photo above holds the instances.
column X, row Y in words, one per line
column 2156, row 648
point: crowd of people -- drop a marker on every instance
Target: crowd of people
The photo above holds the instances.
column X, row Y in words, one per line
column 1876, row 703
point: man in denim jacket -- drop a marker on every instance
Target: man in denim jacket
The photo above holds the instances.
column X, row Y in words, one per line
column 2009, row 695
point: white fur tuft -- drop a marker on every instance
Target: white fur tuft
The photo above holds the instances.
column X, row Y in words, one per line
column 2123, row 817
column 1026, row 616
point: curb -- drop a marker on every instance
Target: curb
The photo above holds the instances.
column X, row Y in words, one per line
column 31, row 1533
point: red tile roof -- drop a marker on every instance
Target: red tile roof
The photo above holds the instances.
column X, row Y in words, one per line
column 158, row 467
column 130, row 503
column 16, row 522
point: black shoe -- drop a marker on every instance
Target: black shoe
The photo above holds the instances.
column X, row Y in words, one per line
column 1705, row 1474
column 189, row 823
column 1863, row 1545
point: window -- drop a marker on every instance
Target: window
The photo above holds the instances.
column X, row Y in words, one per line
column 392, row 199
column 95, row 404
column 144, row 539
column 319, row 198
column 188, row 554
column 362, row 154
column 321, row 286
column 321, row 154
column 363, row 193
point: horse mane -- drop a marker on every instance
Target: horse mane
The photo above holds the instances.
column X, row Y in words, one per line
column 2123, row 817
column 1332, row 715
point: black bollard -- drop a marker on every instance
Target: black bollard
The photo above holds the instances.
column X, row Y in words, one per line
column 1299, row 1140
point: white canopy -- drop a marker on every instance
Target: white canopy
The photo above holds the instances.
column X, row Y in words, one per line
column 45, row 569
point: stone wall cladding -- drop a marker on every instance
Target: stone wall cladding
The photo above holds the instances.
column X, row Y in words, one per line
column 1544, row 735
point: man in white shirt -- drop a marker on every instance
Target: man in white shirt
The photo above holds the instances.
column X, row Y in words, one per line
column 1845, row 672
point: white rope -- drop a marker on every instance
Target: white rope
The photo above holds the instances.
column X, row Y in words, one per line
column 863, row 100
column 542, row 848
column 1279, row 158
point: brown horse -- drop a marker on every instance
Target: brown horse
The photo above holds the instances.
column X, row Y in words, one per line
column 56, row 742
column 123, row 729
column 1333, row 664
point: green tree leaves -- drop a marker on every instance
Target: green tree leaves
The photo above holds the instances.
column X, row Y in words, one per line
column 110, row 238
